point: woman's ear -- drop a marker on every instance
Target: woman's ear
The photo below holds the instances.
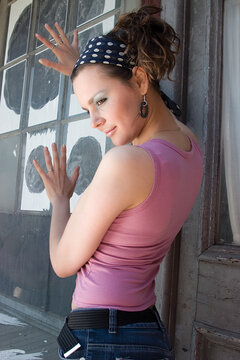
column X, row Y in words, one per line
column 141, row 79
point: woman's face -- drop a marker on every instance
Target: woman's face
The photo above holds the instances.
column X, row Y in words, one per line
column 113, row 106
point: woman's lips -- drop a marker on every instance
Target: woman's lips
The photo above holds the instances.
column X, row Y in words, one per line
column 110, row 132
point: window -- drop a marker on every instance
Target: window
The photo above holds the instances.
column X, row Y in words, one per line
column 37, row 104
column 230, row 199
column 37, row 107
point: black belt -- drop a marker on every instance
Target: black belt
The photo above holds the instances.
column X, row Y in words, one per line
column 97, row 319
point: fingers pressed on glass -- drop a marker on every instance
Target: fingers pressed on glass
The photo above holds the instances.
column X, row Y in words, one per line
column 63, row 158
column 53, row 33
column 48, row 160
column 56, row 163
column 39, row 169
column 45, row 41
column 62, row 33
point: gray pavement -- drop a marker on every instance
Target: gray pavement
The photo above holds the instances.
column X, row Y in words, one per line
column 23, row 337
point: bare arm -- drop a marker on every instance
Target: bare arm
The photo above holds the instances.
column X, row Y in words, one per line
column 119, row 183
column 59, row 189
column 66, row 53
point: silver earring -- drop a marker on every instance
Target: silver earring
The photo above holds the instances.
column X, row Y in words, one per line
column 144, row 108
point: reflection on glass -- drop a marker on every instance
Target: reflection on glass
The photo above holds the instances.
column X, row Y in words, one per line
column 11, row 97
column 34, row 196
column 49, row 13
column 45, row 89
column 87, row 10
column 9, row 151
column 18, row 29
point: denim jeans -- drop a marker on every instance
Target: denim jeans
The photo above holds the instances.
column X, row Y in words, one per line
column 139, row 341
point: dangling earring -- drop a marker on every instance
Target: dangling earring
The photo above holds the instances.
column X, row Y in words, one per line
column 144, row 107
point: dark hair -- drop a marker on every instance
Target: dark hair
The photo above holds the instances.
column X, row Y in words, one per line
column 151, row 43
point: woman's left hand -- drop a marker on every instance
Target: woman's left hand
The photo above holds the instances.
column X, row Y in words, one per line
column 56, row 181
column 66, row 53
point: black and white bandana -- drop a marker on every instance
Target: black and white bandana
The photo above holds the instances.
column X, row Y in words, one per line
column 104, row 50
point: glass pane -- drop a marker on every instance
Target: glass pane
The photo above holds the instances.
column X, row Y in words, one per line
column 101, row 28
column 45, row 91
column 85, row 148
column 34, row 196
column 11, row 97
column 18, row 29
column 49, row 13
column 87, row 10
column 9, row 151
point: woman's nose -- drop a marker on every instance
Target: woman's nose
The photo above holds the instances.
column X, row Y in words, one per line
column 96, row 121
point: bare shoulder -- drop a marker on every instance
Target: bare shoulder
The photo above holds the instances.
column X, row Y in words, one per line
column 126, row 156
column 131, row 170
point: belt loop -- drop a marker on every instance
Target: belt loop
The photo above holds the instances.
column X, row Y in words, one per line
column 112, row 328
column 159, row 321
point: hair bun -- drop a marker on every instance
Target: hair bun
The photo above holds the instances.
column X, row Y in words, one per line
column 151, row 42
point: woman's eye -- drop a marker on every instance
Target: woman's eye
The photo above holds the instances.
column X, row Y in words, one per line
column 100, row 102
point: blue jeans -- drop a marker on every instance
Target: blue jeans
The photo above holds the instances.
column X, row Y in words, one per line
column 140, row 341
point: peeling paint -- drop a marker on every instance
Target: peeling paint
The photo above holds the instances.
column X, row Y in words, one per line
column 19, row 355
column 10, row 320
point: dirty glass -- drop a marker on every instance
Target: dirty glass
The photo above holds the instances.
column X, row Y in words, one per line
column 34, row 197
column 9, row 153
column 44, row 91
column 18, row 29
column 11, row 97
column 88, row 10
column 49, row 13
column 37, row 108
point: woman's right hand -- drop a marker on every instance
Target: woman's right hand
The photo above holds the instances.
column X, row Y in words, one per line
column 66, row 53
column 56, row 181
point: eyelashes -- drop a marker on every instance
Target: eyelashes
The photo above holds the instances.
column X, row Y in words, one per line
column 98, row 103
column 101, row 101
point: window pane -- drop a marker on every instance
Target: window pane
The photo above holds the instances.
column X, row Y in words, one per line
column 44, row 92
column 49, row 13
column 11, row 97
column 9, row 151
column 89, row 9
column 34, row 196
column 18, row 29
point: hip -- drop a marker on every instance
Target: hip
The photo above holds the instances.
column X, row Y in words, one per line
column 134, row 341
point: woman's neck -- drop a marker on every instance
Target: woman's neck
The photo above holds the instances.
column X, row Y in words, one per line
column 159, row 120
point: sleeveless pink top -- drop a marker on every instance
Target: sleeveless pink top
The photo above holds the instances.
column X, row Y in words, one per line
column 121, row 272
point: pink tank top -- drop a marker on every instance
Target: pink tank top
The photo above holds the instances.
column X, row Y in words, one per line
column 121, row 272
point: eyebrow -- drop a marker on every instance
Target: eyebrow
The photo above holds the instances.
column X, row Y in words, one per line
column 90, row 101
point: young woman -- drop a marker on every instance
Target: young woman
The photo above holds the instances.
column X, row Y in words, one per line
column 139, row 198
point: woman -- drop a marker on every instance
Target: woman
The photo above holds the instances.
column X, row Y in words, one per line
column 139, row 198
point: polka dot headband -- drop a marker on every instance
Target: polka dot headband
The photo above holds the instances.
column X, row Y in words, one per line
column 104, row 50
